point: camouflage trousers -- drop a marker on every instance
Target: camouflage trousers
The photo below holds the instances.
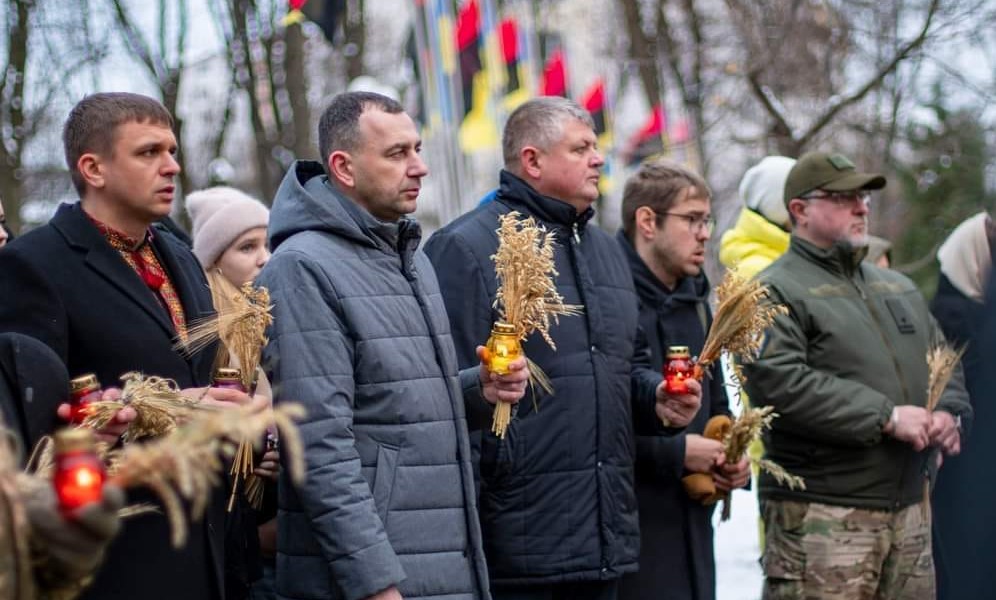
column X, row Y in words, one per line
column 820, row 552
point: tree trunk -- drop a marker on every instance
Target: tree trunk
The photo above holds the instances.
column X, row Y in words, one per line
column 642, row 51
column 170, row 91
column 12, row 87
column 297, row 91
column 355, row 35
column 240, row 15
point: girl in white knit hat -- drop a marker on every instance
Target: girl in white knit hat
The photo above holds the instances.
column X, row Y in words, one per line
column 229, row 232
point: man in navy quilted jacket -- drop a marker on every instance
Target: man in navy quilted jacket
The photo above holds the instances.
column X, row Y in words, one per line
column 558, row 510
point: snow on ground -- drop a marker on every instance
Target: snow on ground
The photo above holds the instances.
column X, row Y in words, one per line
column 738, row 574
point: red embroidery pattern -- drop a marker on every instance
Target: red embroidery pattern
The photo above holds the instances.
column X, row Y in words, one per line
column 141, row 258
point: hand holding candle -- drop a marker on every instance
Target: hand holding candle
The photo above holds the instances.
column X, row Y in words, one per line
column 82, row 391
column 678, row 410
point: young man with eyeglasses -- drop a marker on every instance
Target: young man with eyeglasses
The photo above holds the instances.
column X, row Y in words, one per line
column 846, row 370
column 667, row 220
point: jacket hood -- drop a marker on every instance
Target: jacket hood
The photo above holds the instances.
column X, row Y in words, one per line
column 306, row 201
column 753, row 243
column 689, row 290
column 513, row 190
column 965, row 257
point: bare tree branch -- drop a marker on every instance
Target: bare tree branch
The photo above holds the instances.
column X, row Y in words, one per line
column 770, row 104
column 134, row 39
column 875, row 80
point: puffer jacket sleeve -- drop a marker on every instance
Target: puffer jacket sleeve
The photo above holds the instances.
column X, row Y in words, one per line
column 954, row 399
column 810, row 402
column 311, row 357
column 468, row 306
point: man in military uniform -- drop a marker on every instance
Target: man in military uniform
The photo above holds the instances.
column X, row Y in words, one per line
column 846, row 370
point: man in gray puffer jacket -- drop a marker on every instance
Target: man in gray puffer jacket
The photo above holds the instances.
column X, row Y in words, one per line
column 361, row 338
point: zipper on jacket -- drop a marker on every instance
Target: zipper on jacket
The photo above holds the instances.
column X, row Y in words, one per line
column 577, row 236
column 899, row 376
column 885, row 339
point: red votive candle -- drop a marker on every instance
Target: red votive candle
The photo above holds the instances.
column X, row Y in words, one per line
column 79, row 472
column 82, row 391
column 677, row 369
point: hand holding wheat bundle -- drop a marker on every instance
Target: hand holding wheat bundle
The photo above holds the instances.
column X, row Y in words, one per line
column 243, row 314
column 158, row 403
column 527, row 298
column 183, row 466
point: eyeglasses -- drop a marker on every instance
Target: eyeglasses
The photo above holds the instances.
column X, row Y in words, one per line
column 696, row 223
column 841, row 198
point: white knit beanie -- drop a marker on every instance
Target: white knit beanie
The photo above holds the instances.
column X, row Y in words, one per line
column 218, row 216
column 763, row 189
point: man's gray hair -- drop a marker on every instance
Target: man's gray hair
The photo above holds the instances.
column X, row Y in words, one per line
column 540, row 123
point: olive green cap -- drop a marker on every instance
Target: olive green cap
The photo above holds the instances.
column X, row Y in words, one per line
column 832, row 172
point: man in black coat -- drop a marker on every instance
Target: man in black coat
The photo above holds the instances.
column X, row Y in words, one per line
column 110, row 295
column 557, row 505
column 667, row 220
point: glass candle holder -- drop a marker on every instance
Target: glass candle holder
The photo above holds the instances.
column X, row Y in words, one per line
column 503, row 347
column 79, row 473
column 228, row 378
column 677, row 369
column 82, row 391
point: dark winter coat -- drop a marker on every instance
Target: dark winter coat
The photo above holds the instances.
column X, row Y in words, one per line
column 557, row 498
column 961, row 319
column 65, row 285
column 33, row 382
column 968, row 569
column 852, row 346
column 361, row 339
column 676, row 552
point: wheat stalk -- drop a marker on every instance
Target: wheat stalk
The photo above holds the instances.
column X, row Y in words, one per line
column 527, row 296
column 740, row 321
column 747, row 428
column 240, row 324
column 942, row 360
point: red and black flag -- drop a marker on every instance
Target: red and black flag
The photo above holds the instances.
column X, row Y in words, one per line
column 554, row 81
column 468, row 34
column 649, row 140
column 510, row 54
column 594, row 102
